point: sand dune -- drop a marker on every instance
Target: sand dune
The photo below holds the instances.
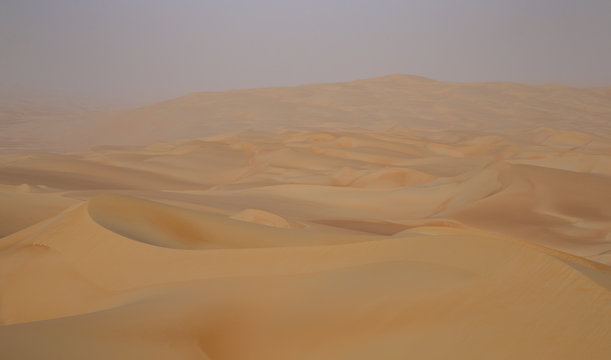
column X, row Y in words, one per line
column 346, row 301
column 459, row 221
column 375, row 104
column 261, row 217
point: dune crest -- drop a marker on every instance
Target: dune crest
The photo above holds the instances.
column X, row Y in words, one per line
column 394, row 101
column 262, row 217
column 403, row 218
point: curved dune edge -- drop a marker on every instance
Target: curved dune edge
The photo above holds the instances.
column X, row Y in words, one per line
column 261, row 217
column 220, row 303
column 173, row 227
column 93, row 267
column 26, row 205
column 493, row 254
column 554, row 193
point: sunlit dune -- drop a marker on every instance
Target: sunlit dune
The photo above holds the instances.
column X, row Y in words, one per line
column 395, row 217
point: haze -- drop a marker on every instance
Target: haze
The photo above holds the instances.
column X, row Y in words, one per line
column 328, row 180
column 138, row 51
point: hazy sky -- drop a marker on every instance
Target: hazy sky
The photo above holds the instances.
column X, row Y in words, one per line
column 143, row 50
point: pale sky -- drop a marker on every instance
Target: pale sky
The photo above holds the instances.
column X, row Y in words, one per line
column 148, row 50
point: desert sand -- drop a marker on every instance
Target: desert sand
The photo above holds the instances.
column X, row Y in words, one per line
column 388, row 218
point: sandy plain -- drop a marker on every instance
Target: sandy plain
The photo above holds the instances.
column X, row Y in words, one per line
column 387, row 218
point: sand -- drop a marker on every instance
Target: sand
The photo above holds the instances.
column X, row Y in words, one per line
column 484, row 233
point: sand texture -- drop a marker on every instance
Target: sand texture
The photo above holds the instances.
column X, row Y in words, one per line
column 389, row 218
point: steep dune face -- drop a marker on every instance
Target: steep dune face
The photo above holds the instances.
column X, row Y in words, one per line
column 562, row 209
column 24, row 205
column 341, row 302
column 173, row 227
column 489, row 238
column 552, row 194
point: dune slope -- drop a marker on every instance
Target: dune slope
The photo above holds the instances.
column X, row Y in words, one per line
column 396, row 296
column 462, row 221
column 375, row 104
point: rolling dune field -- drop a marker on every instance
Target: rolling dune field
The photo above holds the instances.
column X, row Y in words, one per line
column 389, row 218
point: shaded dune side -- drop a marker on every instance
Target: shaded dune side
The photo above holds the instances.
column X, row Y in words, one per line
column 22, row 208
column 81, row 174
column 394, row 204
column 168, row 226
column 436, row 284
column 389, row 177
column 70, row 264
column 561, row 209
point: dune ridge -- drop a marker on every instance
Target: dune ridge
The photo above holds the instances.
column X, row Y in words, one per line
column 381, row 103
column 398, row 217
column 444, row 271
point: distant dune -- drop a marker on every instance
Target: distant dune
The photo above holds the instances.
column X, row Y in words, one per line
column 377, row 104
column 396, row 217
